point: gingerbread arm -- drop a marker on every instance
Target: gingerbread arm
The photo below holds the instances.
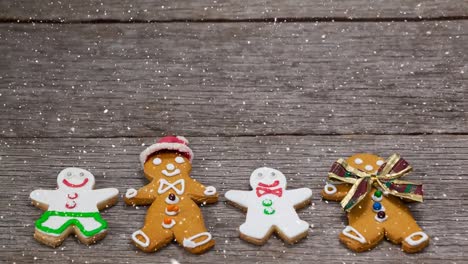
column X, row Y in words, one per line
column 335, row 192
column 105, row 197
column 144, row 196
column 42, row 198
column 240, row 198
column 201, row 194
column 298, row 196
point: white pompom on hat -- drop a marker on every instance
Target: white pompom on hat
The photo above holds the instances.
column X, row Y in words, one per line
column 176, row 143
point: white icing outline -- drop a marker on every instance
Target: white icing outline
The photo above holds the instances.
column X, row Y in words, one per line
column 381, row 209
column 381, row 219
column 409, row 239
column 131, row 193
column 360, row 238
column 169, row 201
column 171, row 174
column 171, row 213
column 210, row 190
column 169, row 225
column 136, row 240
column 164, row 186
column 189, row 243
column 377, row 199
column 329, row 185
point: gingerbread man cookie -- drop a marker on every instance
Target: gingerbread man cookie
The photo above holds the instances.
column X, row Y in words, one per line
column 173, row 197
column 371, row 194
column 72, row 208
column 271, row 208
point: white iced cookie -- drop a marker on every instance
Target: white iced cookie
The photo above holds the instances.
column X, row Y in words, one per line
column 271, row 208
column 73, row 208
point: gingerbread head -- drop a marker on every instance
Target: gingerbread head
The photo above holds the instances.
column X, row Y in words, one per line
column 267, row 177
column 75, row 178
column 170, row 158
column 365, row 162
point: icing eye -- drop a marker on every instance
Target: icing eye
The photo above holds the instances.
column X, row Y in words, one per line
column 81, row 174
column 69, row 173
column 358, row 161
column 379, row 163
column 369, row 167
column 273, row 174
column 260, row 175
column 179, row 160
column 157, row 161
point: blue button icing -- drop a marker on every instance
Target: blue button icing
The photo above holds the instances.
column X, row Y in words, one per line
column 377, row 206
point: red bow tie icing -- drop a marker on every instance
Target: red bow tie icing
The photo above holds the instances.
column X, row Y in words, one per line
column 264, row 189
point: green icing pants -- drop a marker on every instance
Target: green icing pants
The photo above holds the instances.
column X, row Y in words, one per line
column 54, row 222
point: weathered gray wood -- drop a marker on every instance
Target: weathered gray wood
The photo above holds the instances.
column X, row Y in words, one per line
column 108, row 80
column 226, row 162
column 163, row 10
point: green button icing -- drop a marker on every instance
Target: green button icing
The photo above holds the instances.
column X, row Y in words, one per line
column 267, row 202
column 269, row 211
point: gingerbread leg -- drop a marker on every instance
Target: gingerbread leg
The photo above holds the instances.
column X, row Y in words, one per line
column 194, row 237
column 50, row 240
column 53, row 230
column 407, row 232
column 363, row 239
column 152, row 237
column 256, row 232
column 293, row 231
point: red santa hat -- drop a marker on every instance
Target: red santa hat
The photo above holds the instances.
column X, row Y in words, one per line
column 176, row 143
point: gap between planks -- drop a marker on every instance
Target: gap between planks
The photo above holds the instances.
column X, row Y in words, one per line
column 243, row 135
column 249, row 20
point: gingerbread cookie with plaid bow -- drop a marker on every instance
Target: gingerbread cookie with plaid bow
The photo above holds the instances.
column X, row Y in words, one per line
column 271, row 208
column 371, row 193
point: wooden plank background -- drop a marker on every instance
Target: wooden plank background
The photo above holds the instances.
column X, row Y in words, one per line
column 339, row 77
column 168, row 10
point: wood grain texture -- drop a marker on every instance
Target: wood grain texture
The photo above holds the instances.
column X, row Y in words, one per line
column 168, row 10
column 226, row 162
column 233, row 79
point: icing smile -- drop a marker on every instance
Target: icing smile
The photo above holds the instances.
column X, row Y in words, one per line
column 69, row 184
column 170, row 174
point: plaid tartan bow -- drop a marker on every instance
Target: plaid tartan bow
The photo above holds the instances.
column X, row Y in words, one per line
column 386, row 178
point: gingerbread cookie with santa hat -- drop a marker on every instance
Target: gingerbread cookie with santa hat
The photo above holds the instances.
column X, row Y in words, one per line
column 73, row 208
column 173, row 197
column 271, row 208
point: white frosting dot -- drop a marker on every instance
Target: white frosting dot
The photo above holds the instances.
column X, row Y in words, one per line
column 157, row 161
column 368, row 167
column 358, row 161
column 379, row 162
column 179, row 160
